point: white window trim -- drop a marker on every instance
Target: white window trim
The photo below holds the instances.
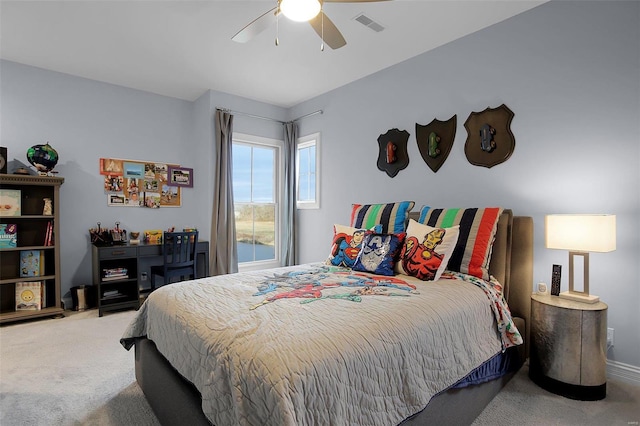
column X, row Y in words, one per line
column 279, row 190
column 305, row 142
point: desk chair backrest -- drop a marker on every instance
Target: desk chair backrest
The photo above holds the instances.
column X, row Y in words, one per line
column 179, row 250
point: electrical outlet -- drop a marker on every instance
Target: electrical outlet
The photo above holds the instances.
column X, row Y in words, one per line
column 609, row 337
column 143, row 276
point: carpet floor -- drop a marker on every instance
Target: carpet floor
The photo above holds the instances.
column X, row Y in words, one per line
column 73, row 371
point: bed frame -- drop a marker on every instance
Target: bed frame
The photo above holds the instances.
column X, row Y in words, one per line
column 175, row 401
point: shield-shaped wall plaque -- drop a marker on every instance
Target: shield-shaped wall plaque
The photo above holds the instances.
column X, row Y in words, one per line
column 489, row 138
column 435, row 141
column 393, row 155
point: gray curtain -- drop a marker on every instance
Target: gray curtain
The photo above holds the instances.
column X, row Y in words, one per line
column 288, row 246
column 224, row 250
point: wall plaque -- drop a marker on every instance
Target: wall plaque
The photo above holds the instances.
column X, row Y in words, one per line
column 489, row 138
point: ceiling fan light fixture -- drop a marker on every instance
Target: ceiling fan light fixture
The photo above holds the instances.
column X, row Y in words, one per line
column 300, row 10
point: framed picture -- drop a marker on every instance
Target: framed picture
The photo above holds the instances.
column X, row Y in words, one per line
column 170, row 196
column 180, row 176
column 113, row 183
column 115, row 200
column 110, row 166
column 152, row 200
column 133, row 170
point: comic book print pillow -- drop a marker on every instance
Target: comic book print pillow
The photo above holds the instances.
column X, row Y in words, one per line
column 379, row 253
column 346, row 245
column 426, row 251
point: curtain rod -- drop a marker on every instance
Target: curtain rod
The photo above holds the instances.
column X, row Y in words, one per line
column 308, row 115
column 268, row 118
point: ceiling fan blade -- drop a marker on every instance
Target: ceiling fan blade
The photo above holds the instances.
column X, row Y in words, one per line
column 332, row 36
column 257, row 26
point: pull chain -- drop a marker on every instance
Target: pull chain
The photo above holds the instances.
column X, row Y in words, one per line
column 322, row 29
column 278, row 24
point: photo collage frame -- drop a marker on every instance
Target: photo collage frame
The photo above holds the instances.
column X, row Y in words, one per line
column 131, row 183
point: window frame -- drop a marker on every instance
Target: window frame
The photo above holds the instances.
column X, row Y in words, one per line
column 277, row 145
column 302, row 143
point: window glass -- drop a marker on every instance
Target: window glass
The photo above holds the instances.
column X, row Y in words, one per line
column 307, row 161
column 255, row 191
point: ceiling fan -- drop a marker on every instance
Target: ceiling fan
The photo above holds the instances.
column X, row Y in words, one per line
column 301, row 11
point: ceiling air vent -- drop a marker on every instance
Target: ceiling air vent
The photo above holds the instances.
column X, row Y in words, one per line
column 369, row 23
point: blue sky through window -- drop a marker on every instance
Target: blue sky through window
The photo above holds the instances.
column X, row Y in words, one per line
column 253, row 174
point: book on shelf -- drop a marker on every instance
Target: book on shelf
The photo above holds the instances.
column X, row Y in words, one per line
column 111, row 274
column 31, row 263
column 10, row 202
column 115, row 277
column 48, row 237
column 114, row 271
column 8, row 235
column 28, row 296
column 43, row 294
column 111, row 294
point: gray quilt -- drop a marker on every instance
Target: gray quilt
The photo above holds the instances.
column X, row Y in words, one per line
column 306, row 345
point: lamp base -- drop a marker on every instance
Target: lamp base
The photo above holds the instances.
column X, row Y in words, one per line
column 579, row 297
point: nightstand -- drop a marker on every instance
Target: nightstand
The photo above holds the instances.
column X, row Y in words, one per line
column 568, row 347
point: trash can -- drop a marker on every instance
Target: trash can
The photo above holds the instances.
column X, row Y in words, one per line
column 81, row 297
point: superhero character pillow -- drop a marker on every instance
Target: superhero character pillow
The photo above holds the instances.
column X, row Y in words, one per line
column 426, row 251
column 379, row 253
column 346, row 245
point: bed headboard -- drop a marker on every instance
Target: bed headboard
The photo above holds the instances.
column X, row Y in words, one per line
column 512, row 265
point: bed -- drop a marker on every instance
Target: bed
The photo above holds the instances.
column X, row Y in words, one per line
column 225, row 350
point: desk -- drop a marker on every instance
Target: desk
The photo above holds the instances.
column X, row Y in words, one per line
column 129, row 288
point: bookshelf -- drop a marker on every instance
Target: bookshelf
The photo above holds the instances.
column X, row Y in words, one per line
column 33, row 230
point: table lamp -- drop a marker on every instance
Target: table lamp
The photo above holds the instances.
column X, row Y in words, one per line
column 580, row 234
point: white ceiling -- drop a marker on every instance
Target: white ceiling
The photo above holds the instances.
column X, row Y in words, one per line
column 183, row 48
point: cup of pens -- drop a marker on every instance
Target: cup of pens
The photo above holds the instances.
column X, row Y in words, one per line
column 98, row 236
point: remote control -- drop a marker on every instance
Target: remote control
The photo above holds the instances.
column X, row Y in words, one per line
column 555, row 279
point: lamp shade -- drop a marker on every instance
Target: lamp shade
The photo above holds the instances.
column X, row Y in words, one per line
column 581, row 232
column 300, row 10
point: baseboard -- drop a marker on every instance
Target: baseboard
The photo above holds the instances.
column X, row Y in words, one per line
column 624, row 372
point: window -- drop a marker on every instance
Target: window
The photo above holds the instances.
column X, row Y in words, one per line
column 307, row 167
column 256, row 192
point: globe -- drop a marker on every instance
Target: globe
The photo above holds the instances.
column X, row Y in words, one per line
column 42, row 157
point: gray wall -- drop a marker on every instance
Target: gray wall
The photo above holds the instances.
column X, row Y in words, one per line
column 570, row 72
column 85, row 120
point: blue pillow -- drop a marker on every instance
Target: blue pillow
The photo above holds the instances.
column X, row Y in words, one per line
column 379, row 253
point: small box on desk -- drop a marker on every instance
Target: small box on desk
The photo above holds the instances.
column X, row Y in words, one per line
column 153, row 236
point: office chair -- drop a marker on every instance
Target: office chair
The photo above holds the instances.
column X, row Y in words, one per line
column 179, row 254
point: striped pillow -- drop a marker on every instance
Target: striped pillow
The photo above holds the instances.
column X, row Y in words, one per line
column 392, row 216
column 477, row 231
